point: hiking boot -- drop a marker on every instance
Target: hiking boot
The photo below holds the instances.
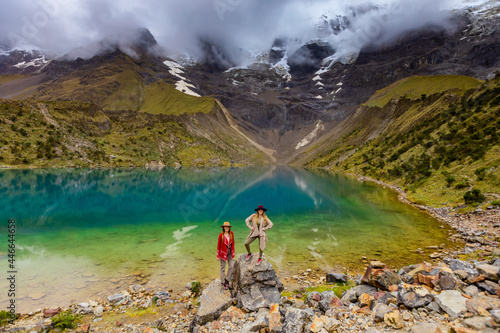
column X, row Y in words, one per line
column 259, row 261
column 247, row 258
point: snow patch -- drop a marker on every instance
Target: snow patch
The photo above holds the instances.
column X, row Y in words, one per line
column 319, row 84
column 319, row 97
column 316, row 78
column 186, row 88
column 321, row 71
column 176, row 70
column 37, row 62
column 309, row 137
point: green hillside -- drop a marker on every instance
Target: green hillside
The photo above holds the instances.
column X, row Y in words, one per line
column 415, row 86
column 70, row 133
column 437, row 147
column 118, row 82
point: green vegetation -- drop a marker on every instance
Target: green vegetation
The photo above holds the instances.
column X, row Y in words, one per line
column 474, row 196
column 66, row 319
column 436, row 148
column 164, row 98
column 196, row 288
column 71, row 133
column 5, row 317
column 11, row 77
column 416, row 87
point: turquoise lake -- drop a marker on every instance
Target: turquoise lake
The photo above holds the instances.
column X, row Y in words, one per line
column 87, row 233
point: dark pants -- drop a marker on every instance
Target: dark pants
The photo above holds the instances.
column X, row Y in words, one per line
column 262, row 244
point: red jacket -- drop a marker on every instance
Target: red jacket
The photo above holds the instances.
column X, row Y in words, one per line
column 223, row 246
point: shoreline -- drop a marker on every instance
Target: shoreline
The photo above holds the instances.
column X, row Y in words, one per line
column 456, row 221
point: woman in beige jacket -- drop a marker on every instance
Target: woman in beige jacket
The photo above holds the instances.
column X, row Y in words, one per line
column 258, row 224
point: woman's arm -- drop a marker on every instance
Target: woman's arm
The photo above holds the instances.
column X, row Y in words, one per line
column 232, row 245
column 219, row 245
column 248, row 221
column 269, row 224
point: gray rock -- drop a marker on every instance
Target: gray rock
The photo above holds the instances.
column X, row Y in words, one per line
column 477, row 323
column 413, row 296
column 116, row 298
column 452, row 302
column 456, row 264
column 372, row 330
column 349, row 297
column 163, row 295
column 98, row 311
column 433, row 306
column 426, row 328
column 488, row 286
column 255, row 286
column 135, row 289
column 471, row 290
column 388, row 278
column 496, row 262
column 295, row 320
column 213, row 301
column 326, row 299
column 327, row 295
column 446, row 281
column 256, row 325
column 496, row 315
column 336, row 277
column 379, row 311
column 330, row 324
column 313, row 299
column 364, row 289
column 490, row 272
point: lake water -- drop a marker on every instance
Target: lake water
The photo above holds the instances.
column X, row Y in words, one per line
column 88, row 233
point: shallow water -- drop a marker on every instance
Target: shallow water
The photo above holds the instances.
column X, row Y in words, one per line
column 88, row 233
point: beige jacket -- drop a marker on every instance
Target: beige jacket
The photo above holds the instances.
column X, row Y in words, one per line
column 260, row 229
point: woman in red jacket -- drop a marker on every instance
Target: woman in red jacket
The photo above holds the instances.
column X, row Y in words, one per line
column 225, row 252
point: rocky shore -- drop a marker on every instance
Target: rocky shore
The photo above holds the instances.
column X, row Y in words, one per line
column 450, row 295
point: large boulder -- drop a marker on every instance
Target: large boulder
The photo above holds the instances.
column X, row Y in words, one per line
column 213, row 301
column 490, row 272
column 255, row 286
column 452, row 302
column 378, row 275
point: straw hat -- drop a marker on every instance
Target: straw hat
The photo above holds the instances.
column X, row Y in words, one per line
column 226, row 224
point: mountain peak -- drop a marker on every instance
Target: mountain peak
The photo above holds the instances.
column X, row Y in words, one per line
column 142, row 38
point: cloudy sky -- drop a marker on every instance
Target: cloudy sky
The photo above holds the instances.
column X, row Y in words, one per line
column 58, row 26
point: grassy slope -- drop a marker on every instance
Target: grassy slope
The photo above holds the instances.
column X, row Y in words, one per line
column 164, row 98
column 11, row 77
column 120, row 83
column 413, row 87
column 418, row 144
column 70, row 133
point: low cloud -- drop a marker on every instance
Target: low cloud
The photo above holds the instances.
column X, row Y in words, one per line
column 237, row 27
